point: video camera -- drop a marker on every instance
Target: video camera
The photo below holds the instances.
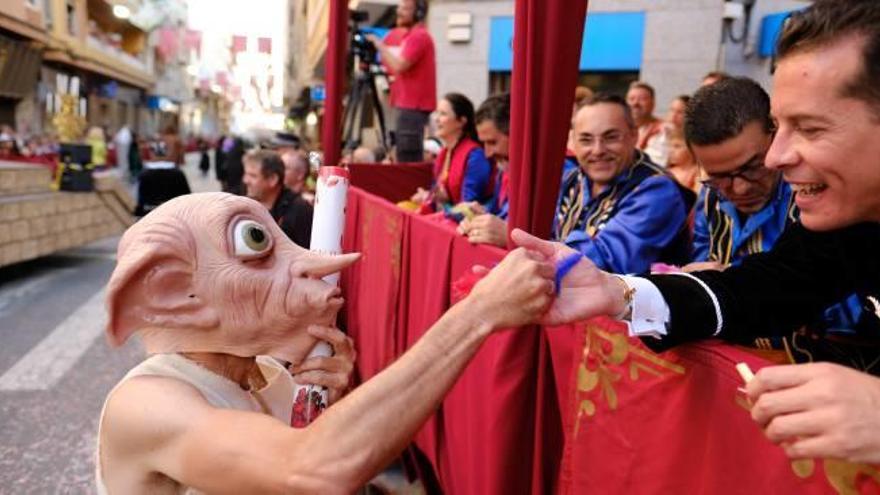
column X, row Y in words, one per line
column 361, row 47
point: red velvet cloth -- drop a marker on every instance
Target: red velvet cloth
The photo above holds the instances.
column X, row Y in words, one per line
column 475, row 441
column 638, row 422
column 394, row 182
column 546, row 41
column 334, row 63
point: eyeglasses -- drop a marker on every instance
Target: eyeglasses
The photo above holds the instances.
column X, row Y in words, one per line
column 750, row 172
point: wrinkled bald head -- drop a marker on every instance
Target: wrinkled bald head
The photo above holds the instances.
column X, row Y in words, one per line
column 213, row 272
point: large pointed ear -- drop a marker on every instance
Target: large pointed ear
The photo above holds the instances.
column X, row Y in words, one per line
column 153, row 288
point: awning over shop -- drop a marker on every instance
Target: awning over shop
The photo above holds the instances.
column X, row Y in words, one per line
column 611, row 42
column 19, row 68
column 771, row 27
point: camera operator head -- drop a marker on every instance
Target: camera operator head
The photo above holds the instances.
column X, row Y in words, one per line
column 411, row 12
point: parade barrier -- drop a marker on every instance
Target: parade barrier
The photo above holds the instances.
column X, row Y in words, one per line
column 633, row 421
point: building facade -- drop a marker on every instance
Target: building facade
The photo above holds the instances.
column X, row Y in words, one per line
column 670, row 44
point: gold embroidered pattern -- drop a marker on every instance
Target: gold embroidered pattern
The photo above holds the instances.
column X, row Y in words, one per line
column 607, row 357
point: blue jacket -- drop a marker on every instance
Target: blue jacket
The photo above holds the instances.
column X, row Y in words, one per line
column 720, row 236
column 639, row 219
column 496, row 205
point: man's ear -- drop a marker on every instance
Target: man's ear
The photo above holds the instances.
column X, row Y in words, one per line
column 155, row 290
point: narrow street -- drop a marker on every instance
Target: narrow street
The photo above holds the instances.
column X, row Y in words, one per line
column 55, row 365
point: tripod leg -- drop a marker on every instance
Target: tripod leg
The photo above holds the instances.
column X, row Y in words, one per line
column 377, row 105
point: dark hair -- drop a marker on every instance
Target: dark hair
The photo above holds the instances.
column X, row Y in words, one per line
column 828, row 21
column 270, row 163
column 610, row 99
column 683, row 98
column 642, row 85
column 720, row 111
column 463, row 108
column 497, row 109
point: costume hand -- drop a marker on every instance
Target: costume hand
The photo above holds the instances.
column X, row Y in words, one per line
column 333, row 372
column 516, row 292
column 584, row 293
column 486, row 229
column 698, row 266
column 819, row 410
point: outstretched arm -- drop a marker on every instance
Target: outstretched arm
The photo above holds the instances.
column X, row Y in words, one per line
column 169, row 428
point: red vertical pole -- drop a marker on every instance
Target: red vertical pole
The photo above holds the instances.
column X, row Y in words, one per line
column 337, row 46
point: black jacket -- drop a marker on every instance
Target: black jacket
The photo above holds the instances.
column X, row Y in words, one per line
column 775, row 293
column 294, row 216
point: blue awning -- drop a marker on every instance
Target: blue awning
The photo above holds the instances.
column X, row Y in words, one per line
column 771, row 27
column 612, row 42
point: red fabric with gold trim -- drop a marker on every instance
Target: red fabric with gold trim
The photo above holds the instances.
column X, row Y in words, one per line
column 638, row 422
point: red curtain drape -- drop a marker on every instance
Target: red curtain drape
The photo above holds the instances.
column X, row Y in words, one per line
column 546, row 46
column 337, row 46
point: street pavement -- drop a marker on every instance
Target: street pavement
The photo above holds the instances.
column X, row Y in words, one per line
column 55, row 365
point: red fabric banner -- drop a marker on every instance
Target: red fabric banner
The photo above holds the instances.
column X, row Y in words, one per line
column 264, row 45
column 546, row 41
column 239, row 43
column 638, row 422
column 372, row 314
column 168, row 42
column 394, row 182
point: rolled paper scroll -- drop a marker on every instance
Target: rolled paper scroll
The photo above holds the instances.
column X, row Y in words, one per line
column 328, row 224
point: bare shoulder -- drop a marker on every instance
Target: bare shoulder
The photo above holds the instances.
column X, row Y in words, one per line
column 145, row 414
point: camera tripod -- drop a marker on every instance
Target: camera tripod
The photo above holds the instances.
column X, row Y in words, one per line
column 361, row 97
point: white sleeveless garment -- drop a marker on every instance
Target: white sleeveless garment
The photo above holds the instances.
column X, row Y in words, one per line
column 220, row 392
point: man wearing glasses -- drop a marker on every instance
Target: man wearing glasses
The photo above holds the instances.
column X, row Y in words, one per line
column 744, row 206
column 618, row 208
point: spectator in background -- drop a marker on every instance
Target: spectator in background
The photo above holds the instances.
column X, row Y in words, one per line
column 682, row 164
column 658, row 146
column 619, row 209
column 282, row 142
column 408, row 54
column 745, row 206
column 461, row 172
column 96, row 139
column 172, row 145
column 296, row 171
column 361, row 154
column 232, row 164
column 264, row 182
column 713, row 77
column 204, row 159
column 640, row 98
column 220, row 149
column 122, row 142
column 489, row 226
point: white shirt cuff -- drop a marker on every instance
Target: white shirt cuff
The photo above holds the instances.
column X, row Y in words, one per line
column 650, row 313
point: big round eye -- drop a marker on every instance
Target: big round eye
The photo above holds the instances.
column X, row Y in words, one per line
column 251, row 238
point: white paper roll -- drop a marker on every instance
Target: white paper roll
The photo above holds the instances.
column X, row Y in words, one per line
column 328, row 224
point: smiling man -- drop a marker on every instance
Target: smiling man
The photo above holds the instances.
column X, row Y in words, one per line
column 826, row 105
column 618, row 208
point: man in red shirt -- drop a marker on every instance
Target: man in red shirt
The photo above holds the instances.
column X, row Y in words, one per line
column 408, row 54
